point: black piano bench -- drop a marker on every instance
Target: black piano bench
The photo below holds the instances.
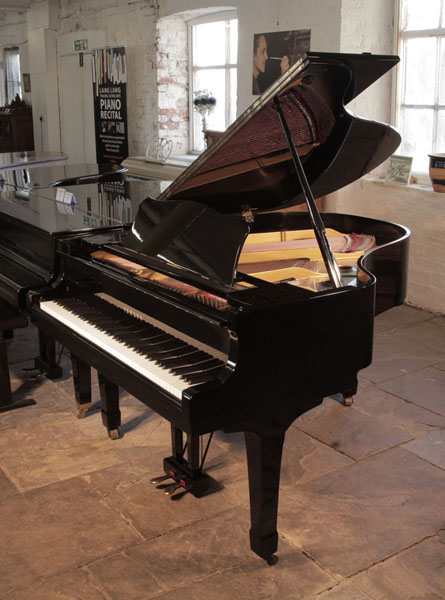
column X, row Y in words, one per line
column 10, row 319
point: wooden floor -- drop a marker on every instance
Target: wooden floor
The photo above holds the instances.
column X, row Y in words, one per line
column 362, row 502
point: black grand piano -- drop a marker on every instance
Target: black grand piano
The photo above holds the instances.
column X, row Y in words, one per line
column 41, row 205
column 215, row 301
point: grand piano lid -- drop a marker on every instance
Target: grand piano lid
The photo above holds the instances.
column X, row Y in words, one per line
column 76, row 207
column 24, row 177
column 250, row 166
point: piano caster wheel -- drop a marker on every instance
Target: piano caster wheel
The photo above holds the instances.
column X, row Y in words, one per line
column 82, row 410
column 272, row 560
column 113, row 434
column 348, row 401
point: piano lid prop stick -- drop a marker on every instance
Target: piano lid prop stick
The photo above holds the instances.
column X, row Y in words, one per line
column 316, row 220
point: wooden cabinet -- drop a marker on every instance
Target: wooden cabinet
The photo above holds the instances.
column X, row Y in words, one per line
column 16, row 133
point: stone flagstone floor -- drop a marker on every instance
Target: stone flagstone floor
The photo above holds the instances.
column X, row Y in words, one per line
column 362, row 500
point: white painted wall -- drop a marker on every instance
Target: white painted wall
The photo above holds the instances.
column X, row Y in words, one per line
column 322, row 17
column 419, row 209
column 76, row 101
column 133, row 25
column 42, row 38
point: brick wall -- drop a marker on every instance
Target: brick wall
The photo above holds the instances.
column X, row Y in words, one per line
column 172, row 81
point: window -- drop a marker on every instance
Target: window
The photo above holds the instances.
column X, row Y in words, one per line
column 13, row 83
column 213, row 43
column 421, row 86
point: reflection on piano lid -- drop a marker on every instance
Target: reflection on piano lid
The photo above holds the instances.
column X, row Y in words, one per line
column 29, row 159
column 27, row 178
column 147, row 168
column 77, row 207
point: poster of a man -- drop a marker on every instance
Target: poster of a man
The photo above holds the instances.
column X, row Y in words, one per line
column 274, row 53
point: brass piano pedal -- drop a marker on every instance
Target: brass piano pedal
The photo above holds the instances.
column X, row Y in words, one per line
column 34, row 374
column 179, row 495
column 197, row 483
column 155, row 480
column 170, row 489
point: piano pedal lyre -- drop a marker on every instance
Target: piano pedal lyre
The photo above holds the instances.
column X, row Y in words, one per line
column 187, row 474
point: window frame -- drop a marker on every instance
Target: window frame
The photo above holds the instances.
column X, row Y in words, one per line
column 5, row 80
column 400, row 83
column 226, row 15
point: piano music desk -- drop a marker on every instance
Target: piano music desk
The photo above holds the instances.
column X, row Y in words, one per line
column 10, row 319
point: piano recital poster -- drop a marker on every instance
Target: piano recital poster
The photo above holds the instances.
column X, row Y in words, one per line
column 274, row 53
column 110, row 104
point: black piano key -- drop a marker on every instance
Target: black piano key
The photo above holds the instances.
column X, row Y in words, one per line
column 158, row 350
column 188, row 357
column 186, row 360
column 198, row 367
column 167, row 351
column 202, row 377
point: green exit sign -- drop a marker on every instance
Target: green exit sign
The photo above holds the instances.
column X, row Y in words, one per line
column 80, row 45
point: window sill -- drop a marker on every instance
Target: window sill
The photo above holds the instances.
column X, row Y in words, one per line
column 403, row 187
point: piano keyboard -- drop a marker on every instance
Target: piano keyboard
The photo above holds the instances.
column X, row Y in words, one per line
column 167, row 357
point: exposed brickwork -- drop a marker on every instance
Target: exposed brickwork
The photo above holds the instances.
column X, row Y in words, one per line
column 172, row 81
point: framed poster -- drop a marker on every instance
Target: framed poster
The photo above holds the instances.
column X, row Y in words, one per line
column 399, row 169
column 110, row 104
column 274, row 53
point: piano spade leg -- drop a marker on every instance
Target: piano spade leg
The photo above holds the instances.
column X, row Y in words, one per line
column 6, row 401
column 187, row 473
column 46, row 361
column 82, row 385
column 109, row 397
column 264, row 465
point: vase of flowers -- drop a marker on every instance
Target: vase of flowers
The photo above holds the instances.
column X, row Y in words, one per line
column 204, row 103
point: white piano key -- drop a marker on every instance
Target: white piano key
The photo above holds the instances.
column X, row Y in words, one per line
column 161, row 377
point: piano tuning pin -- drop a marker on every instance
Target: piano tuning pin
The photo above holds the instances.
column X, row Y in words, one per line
column 155, row 480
